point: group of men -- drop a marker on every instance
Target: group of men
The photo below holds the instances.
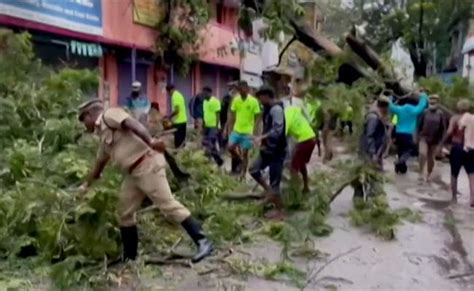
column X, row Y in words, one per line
column 421, row 127
column 281, row 130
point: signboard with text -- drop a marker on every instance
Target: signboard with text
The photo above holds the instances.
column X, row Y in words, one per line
column 83, row 16
column 148, row 12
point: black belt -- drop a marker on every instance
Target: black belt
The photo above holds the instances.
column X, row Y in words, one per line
column 137, row 162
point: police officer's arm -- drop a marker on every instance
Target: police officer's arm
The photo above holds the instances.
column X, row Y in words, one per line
column 99, row 165
column 138, row 129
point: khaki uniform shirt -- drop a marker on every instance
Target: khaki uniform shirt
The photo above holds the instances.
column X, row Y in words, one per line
column 122, row 146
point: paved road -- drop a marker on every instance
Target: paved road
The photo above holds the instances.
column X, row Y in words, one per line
column 436, row 254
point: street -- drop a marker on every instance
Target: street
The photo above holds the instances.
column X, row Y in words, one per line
column 434, row 254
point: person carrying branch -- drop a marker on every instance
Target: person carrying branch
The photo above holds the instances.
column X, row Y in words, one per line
column 244, row 115
column 432, row 127
column 407, row 115
column 372, row 143
column 460, row 136
column 272, row 145
column 299, row 129
column 128, row 144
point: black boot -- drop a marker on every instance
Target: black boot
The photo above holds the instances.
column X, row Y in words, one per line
column 194, row 229
column 130, row 242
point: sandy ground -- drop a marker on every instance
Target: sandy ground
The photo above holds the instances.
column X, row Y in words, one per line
column 435, row 254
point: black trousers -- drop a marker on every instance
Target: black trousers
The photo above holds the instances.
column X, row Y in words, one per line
column 209, row 142
column 405, row 149
column 275, row 163
column 179, row 134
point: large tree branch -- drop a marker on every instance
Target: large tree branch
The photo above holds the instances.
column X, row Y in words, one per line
column 317, row 43
column 282, row 52
column 372, row 59
column 348, row 72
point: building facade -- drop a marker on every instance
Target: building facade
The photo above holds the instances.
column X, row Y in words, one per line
column 117, row 38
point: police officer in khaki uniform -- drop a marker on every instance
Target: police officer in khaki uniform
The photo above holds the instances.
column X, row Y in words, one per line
column 130, row 147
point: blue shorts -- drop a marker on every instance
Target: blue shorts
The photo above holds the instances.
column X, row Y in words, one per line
column 242, row 140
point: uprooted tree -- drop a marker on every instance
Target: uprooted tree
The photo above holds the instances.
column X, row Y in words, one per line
column 424, row 25
column 46, row 228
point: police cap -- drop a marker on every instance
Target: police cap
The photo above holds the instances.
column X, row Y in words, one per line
column 87, row 106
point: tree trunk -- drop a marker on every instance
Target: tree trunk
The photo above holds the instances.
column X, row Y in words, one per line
column 348, row 73
column 372, row 59
column 419, row 63
column 317, row 43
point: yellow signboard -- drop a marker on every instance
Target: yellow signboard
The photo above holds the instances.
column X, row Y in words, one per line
column 148, row 12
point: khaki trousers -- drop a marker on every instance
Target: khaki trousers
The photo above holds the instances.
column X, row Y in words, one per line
column 149, row 179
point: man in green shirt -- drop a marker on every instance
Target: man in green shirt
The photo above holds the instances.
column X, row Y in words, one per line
column 212, row 109
column 299, row 128
column 315, row 118
column 178, row 115
column 244, row 114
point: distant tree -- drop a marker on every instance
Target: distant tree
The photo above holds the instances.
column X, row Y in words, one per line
column 425, row 26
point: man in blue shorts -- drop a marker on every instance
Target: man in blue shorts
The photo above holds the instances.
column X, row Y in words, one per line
column 244, row 114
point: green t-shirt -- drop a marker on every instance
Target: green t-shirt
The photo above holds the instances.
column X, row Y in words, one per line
column 245, row 112
column 347, row 114
column 211, row 108
column 313, row 108
column 177, row 100
column 297, row 126
column 394, row 119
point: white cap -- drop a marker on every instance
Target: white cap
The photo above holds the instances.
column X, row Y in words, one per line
column 136, row 85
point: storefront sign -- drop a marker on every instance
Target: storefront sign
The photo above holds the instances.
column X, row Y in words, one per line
column 148, row 12
column 219, row 46
column 83, row 16
column 86, row 49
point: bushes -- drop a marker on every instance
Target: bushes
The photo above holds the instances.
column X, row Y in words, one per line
column 450, row 94
column 44, row 158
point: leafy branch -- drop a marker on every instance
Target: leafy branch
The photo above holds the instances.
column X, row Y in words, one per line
column 179, row 32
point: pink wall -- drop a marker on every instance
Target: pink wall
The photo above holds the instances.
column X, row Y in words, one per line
column 151, row 84
column 119, row 26
column 109, row 72
column 219, row 46
column 155, row 83
column 161, row 95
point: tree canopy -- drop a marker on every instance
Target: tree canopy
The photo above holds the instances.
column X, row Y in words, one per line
column 427, row 27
